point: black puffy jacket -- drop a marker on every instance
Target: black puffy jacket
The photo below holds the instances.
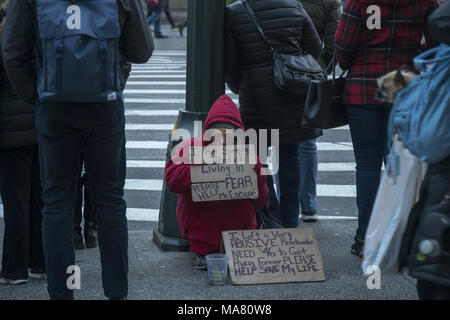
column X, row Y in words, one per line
column 249, row 64
column 325, row 15
column 16, row 117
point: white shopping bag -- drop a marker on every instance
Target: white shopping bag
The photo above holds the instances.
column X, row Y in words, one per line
column 397, row 194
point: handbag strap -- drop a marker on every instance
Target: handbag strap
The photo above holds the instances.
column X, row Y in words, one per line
column 258, row 26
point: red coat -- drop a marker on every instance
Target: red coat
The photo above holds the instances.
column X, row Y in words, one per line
column 201, row 223
column 371, row 53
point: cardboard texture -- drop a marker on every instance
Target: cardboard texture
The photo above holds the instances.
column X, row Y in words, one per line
column 223, row 182
column 273, row 256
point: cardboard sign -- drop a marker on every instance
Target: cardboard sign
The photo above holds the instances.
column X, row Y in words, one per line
column 273, row 256
column 226, row 154
column 223, row 182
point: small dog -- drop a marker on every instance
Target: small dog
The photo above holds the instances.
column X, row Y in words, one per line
column 391, row 83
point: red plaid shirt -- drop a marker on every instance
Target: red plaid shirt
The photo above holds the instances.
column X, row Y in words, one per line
column 369, row 54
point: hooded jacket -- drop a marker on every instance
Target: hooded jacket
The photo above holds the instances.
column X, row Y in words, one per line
column 325, row 15
column 369, row 51
column 201, row 223
column 249, row 64
column 21, row 44
column 16, row 117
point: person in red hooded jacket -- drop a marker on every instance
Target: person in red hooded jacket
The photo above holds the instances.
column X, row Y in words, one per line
column 201, row 223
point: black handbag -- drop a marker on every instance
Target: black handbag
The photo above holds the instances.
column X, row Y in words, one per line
column 324, row 107
column 291, row 72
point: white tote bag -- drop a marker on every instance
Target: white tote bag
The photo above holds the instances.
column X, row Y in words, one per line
column 397, row 194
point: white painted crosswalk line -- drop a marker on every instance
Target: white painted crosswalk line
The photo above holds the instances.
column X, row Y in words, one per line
column 158, row 101
column 148, row 127
column 147, row 113
column 156, row 83
column 321, row 146
column 161, row 76
column 323, row 190
column 159, row 91
column 145, row 164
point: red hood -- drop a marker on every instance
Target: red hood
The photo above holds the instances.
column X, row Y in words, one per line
column 224, row 110
column 396, row 3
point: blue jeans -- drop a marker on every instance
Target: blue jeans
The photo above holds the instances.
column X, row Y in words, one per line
column 155, row 18
column 296, row 182
column 368, row 130
column 65, row 131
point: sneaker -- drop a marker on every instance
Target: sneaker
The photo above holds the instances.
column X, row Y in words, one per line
column 37, row 273
column 78, row 241
column 90, row 238
column 200, row 263
column 309, row 216
column 11, row 282
column 357, row 248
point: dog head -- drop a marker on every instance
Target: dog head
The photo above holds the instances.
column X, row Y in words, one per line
column 390, row 84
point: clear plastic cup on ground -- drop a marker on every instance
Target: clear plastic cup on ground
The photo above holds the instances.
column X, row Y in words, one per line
column 217, row 268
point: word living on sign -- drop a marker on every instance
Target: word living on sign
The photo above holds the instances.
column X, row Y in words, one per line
column 223, row 182
column 273, row 256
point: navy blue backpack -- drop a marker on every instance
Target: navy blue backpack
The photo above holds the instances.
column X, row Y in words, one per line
column 80, row 44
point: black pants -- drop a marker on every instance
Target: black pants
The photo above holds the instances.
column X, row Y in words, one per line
column 65, row 132
column 89, row 214
column 432, row 291
column 21, row 194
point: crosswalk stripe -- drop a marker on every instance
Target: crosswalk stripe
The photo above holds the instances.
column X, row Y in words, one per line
column 323, row 190
column 155, row 101
column 162, row 71
column 159, row 91
column 147, row 113
column 152, row 215
column 162, row 76
column 321, row 146
column 149, row 127
column 322, row 167
column 156, row 83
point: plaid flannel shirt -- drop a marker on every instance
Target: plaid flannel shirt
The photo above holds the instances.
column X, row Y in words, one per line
column 371, row 53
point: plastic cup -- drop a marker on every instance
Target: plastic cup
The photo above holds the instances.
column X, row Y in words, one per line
column 217, row 268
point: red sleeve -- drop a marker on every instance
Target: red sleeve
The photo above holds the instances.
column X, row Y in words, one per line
column 263, row 190
column 348, row 34
column 177, row 172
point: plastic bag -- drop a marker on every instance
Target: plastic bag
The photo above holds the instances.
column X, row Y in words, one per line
column 397, row 194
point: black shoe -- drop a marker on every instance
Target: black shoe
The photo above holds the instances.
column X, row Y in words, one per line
column 78, row 243
column 358, row 248
column 200, row 263
column 180, row 29
column 90, row 238
column 161, row 36
column 309, row 216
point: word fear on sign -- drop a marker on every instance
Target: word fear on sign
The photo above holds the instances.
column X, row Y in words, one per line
column 223, row 182
column 273, row 256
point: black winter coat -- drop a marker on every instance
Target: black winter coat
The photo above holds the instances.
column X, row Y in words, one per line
column 249, row 64
column 16, row 117
column 325, row 15
column 20, row 41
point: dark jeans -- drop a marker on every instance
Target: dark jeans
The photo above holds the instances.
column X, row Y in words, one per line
column 21, row 194
column 89, row 214
column 432, row 291
column 154, row 16
column 65, row 131
column 289, row 185
column 368, row 130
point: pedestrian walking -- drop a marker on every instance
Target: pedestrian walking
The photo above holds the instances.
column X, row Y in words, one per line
column 368, row 52
column 80, row 111
column 154, row 14
column 250, row 73
column 325, row 15
column 202, row 223
column 20, row 187
column 169, row 17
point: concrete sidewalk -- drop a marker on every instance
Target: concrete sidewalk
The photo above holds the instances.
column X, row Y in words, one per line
column 170, row 275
